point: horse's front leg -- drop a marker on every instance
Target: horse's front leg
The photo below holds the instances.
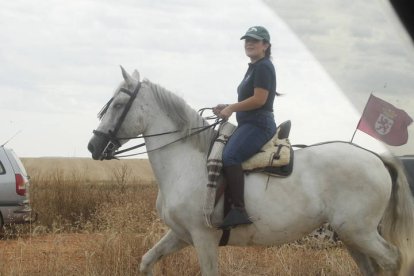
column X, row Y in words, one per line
column 206, row 244
column 170, row 243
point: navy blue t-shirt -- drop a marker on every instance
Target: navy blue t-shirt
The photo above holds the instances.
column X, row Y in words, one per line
column 260, row 74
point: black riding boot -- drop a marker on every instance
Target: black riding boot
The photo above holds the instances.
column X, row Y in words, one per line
column 235, row 180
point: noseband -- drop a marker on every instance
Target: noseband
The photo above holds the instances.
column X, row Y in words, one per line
column 111, row 136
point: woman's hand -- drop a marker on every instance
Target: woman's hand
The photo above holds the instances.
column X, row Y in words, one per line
column 219, row 108
column 226, row 112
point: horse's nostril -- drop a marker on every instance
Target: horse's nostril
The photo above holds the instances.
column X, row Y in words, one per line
column 91, row 148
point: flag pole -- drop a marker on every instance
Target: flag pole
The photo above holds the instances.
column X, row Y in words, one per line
column 352, row 139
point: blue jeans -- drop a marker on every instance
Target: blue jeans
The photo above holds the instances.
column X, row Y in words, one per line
column 249, row 137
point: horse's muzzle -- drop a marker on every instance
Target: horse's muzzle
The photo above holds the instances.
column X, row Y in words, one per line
column 102, row 146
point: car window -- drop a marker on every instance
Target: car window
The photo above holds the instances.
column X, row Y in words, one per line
column 2, row 170
column 409, row 167
column 19, row 163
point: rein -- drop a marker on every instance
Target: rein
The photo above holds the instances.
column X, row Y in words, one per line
column 200, row 129
column 114, row 141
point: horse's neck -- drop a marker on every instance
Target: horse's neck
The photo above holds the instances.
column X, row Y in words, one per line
column 172, row 162
column 175, row 163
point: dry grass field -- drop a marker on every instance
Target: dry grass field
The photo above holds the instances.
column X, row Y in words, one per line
column 98, row 218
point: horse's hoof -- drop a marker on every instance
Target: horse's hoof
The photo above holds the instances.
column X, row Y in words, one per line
column 144, row 270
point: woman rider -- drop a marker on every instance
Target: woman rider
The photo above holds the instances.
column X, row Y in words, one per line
column 254, row 114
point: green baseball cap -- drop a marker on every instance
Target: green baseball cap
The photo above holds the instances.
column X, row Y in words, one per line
column 257, row 32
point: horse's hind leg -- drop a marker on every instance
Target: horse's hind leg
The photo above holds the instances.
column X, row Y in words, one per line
column 170, row 243
column 371, row 246
column 364, row 263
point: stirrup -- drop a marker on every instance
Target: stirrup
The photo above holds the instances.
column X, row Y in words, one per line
column 235, row 217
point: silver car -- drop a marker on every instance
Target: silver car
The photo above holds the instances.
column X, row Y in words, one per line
column 14, row 189
column 408, row 161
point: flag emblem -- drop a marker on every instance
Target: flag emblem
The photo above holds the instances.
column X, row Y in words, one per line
column 383, row 124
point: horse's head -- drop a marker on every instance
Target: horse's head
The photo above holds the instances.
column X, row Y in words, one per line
column 120, row 118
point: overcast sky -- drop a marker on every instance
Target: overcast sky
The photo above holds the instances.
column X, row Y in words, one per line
column 60, row 63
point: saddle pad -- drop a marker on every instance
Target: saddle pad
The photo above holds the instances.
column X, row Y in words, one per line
column 275, row 153
column 277, row 171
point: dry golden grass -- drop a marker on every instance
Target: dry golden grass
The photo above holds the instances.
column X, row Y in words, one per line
column 89, row 170
column 98, row 218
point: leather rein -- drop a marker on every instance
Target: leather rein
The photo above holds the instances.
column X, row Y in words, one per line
column 114, row 143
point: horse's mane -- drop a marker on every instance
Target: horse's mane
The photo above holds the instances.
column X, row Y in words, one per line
column 185, row 118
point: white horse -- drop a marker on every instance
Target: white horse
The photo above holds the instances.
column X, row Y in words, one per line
column 356, row 191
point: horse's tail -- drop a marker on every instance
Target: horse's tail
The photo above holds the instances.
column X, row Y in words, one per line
column 398, row 220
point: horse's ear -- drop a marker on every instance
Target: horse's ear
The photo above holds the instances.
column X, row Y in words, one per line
column 136, row 75
column 127, row 77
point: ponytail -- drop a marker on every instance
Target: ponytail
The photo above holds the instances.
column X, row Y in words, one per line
column 268, row 52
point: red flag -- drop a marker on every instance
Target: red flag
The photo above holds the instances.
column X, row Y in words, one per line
column 385, row 122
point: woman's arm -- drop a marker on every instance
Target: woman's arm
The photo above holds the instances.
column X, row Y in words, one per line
column 257, row 100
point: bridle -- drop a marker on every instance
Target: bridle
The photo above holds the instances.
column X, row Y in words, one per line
column 113, row 142
column 111, row 136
